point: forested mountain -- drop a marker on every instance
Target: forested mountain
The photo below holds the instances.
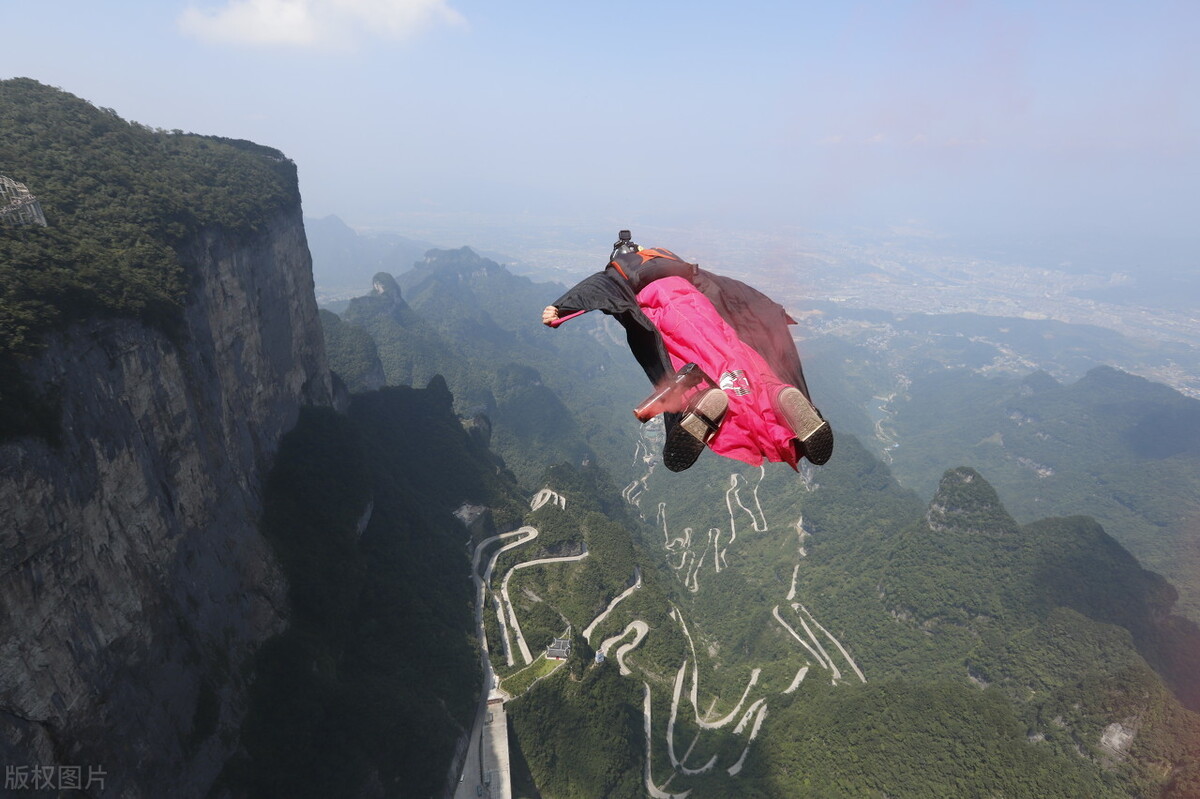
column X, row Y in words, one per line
column 869, row 642
column 550, row 396
column 1104, row 443
column 1110, row 445
column 354, row 352
column 990, row 654
column 124, row 205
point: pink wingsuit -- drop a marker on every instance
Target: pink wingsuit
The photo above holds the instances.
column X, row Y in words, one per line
column 694, row 332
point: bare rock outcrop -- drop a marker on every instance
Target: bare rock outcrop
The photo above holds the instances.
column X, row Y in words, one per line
column 133, row 578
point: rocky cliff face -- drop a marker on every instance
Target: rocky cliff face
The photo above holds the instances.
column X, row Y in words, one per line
column 133, row 578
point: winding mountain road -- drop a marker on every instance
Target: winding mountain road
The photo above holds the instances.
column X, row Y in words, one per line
column 526, row 655
column 485, row 769
column 639, row 628
column 637, row 583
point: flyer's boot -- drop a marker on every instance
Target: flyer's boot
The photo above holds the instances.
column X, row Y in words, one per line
column 700, row 421
column 813, row 433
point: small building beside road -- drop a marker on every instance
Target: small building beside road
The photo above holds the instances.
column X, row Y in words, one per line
column 559, row 650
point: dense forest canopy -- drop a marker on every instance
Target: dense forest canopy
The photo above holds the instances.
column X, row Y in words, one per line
column 118, row 198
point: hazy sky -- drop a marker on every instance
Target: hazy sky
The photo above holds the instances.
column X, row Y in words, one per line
column 984, row 117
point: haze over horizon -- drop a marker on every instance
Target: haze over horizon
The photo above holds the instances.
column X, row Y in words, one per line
column 1014, row 122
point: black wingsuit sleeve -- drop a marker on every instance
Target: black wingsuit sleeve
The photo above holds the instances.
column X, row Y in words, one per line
column 608, row 292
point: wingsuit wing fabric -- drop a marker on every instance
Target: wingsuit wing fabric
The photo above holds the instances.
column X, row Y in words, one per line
column 759, row 321
column 694, row 332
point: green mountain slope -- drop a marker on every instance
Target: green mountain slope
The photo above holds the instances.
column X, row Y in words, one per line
column 820, row 634
column 579, row 728
column 530, row 425
column 958, row 593
column 930, row 391
column 877, row 646
column 1111, row 445
column 550, row 396
column 913, row 739
column 354, row 352
column 117, row 196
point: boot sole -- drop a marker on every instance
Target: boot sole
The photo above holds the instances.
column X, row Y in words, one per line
column 813, row 432
column 687, row 439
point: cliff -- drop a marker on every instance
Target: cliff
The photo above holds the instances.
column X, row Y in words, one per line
column 134, row 582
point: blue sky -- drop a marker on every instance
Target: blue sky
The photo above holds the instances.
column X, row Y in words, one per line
column 996, row 118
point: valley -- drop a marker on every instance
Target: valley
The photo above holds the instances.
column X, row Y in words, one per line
column 746, row 585
column 748, row 711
